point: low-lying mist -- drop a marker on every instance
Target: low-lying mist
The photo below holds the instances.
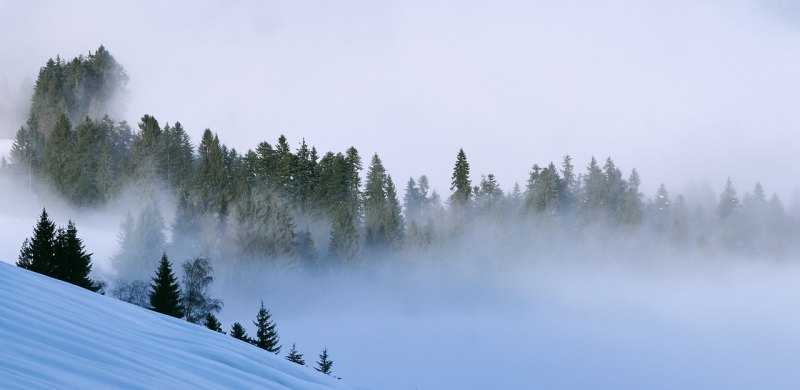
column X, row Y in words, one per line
column 615, row 312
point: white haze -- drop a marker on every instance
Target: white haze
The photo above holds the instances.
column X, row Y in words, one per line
column 682, row 90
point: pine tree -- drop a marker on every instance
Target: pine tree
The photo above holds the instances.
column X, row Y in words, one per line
column 375, row 204
column 266, row 335
column 73, row 264
column 239, row 333
column 392, row 221
column 211, row 322
column 344, row 237
column 727, row 201
column 324, row 365
column 295, row 357
column 38, row 253
column 164, row 290
column 460, row 183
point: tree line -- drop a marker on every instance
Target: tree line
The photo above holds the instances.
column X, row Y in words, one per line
column 293, row 205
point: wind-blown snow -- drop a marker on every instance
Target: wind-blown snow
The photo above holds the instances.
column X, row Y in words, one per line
column 55, row 335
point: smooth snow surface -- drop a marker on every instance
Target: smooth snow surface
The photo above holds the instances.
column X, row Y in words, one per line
column 55, row 335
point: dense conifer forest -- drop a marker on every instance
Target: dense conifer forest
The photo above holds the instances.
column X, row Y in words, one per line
column 289, row 205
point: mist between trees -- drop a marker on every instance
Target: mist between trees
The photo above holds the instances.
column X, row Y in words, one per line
column 293, row 207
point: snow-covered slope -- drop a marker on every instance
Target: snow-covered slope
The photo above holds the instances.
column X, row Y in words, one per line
column 55, row 335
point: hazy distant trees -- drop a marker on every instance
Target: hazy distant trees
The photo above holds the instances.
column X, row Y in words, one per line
column 287, row 204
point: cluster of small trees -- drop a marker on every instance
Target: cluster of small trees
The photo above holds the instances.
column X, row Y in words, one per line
column 58, row 253
column 195, row 306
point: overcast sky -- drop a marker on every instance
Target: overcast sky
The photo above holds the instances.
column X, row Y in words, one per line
column 678, row 89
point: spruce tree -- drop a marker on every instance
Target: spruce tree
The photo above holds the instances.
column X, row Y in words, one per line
column 344, row 243
column 73, row 264
column 728, row 201
column 324, row 365
column 460, row 182
column 266, row 334
column 239, row 333
column 212, row 323
column 295, row 357
column 38, row 253
column 164, row 290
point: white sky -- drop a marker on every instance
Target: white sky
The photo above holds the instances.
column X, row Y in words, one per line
column 679, row 89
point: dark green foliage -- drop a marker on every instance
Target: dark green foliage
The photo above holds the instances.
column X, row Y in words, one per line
column 211, row 178
column 631, row 210
column 85, row 86
column 295, row 357
column 266, row 334
column 197, row 277
column 544, row 191
column 57, row 253
column 375, row 203
column 73, row 264
column 178, row 156
column 38, row 253
column 324, row 364
column 460, row 183
column 164, row 290
column 211, row 322
column 239, row 333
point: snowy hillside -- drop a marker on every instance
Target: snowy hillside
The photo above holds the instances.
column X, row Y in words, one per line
column 55, row 335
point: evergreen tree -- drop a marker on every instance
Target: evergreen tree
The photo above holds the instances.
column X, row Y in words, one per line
column 164, row 290
column 295, row 357
column 211, row 322
column 212, row 178
column 27, row 153
column 661, row 208
column 727, row 201
column 38, row 253
column 324, row 365
column 631, row 210
column 307, row 251
column 375, row 204
column 266, row 334
column 344, row 237
column 460, row 183
column 392, row 220
column 72, row 263
column 58, row 167
column 239, row 333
